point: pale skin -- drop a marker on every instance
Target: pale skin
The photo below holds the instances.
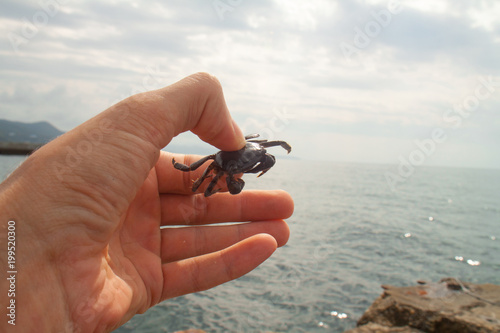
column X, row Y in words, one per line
column 89, row 205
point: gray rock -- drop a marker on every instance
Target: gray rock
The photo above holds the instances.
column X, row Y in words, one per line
column 447, row 306
column 376, row 328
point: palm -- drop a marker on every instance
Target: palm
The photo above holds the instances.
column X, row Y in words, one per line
column 127, row 276
column 137, row 248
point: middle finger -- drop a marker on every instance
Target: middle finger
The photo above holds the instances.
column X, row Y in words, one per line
column 224, row 207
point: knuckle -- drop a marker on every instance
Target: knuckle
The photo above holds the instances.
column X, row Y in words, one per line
column 206, row 85
column 206, row 79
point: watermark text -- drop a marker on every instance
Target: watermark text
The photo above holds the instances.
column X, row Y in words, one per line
column 11, row 272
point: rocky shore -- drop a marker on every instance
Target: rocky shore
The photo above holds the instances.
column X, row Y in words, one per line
column 449, row 305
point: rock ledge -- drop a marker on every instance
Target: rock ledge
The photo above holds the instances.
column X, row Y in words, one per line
column 447, row 306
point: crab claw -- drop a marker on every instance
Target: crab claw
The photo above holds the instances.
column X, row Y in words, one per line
column 263, row 172
column 235, row 185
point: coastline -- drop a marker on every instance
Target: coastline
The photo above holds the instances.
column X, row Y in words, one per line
column 18, row 148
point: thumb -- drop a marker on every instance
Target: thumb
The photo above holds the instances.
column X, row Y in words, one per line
column 109, row 156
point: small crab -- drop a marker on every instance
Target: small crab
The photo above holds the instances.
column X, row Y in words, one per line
column 253, row 158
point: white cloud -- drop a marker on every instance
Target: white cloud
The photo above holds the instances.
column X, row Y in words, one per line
column 305, row 15
column 268, row 55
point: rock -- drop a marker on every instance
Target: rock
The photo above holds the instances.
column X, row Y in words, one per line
column 376, row 328
column 447, row 306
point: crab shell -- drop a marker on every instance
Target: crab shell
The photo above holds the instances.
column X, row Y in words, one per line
column 250, row 159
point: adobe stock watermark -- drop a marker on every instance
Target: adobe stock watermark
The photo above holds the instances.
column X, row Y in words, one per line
column 454, row 117
column 364, row 36
column 222, row 7
column 89, row 307
column 31, row 26
column 92, row 138
column 198, row 206
column 153, row 79
column 278, row 122
column 254, row 317
column 11, row 271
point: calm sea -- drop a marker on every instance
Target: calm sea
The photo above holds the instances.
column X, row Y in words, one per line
column 350, row 233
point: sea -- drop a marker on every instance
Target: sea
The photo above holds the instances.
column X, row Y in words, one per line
column 352, row 231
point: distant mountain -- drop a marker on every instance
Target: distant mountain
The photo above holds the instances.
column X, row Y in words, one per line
column 40, row 132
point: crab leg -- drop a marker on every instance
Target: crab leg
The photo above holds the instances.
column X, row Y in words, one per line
column 209, row 191
column 193, row 166
column 277, row 143
column 200, row 180
column 263, row 172
column 257, row 141
column 251, row 136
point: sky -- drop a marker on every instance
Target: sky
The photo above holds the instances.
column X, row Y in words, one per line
column 395, row 82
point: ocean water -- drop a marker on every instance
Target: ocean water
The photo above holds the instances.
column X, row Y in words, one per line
column 9, row 163
column 350, row 233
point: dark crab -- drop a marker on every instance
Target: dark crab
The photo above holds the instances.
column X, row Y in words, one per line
column 253, row 158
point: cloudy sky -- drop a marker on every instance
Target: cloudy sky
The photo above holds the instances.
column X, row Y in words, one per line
column 367, row 81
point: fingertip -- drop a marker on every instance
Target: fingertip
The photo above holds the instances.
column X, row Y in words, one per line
column 229, row 138
column 283, row 233
column 287, row 204
column 268, row 240
column 262, row 245
column 240, row 138
column 249, row 254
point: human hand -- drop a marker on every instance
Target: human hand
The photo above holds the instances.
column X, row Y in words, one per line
column 88, row 208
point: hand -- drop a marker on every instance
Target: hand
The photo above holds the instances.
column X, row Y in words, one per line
column 88, row 208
